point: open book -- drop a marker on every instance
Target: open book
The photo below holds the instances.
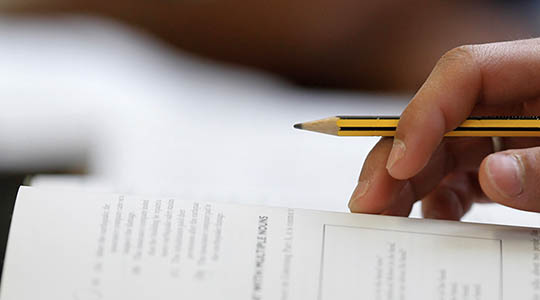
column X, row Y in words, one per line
column 68, row 245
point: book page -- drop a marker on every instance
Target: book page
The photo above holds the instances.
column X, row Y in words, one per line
column 68, row 245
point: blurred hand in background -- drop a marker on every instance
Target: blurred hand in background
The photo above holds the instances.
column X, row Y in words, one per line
column 386, row 45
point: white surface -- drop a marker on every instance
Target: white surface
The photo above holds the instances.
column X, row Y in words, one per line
column 153, row 121
column 397, row 259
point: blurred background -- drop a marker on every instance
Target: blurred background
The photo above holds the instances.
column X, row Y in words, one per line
column 197, row 98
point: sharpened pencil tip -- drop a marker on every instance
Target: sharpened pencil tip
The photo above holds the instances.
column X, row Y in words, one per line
column 328, row 126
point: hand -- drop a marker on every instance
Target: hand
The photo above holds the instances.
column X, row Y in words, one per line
column 338, row 43
column 449, row 174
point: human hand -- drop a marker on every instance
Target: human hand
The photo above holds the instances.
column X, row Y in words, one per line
column 332, row 43
column 449, row 174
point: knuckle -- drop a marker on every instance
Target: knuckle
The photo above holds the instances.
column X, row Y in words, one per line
column 458, row 55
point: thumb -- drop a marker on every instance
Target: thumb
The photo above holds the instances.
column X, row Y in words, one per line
column 512, row 178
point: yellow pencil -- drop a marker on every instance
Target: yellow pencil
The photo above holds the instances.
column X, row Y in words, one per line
column 504, row 126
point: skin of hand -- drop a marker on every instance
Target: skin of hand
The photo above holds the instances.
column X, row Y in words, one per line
column 387, row 45
column 449, row 174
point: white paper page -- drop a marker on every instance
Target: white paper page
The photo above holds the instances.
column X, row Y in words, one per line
column 67, row 245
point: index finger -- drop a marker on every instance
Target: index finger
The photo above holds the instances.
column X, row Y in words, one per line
column 496, row 74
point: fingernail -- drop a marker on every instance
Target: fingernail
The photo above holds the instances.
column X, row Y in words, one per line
column 397, row 152
column 505, row 172
column 360, row 190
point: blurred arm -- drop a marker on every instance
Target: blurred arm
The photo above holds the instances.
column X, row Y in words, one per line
column 384, row 44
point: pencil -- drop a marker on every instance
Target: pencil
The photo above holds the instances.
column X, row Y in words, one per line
column 503, row 126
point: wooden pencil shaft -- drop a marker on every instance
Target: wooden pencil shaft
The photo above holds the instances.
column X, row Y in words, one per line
column 386, row 126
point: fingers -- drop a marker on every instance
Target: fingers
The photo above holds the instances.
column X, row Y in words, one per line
column 444, row 185
column 453, row 197
column 512, row 178
column 498, row 74
column 378, row 192
column 447, row 193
